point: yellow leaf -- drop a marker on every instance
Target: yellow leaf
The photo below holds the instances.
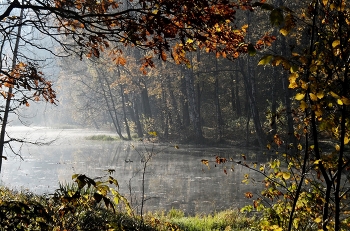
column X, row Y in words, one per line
column 339, row 101
column 303, row 60
column 317, row 161
column 300, row 147
column 265, row 60
column 245, row 27
column 293, row 76
column 337, row 147
column 284, row 32
column 334, row 95
column 153, row 133
column 300, row 96
column 320, row 95
column 313, row 67
column 346, row 140
column 189, row 41
column 318, row 112
column 292, row 85
column 325, row 2
column 286, row 175
column 335, row 43
column 318, row 220
column 304, row 84
column 313, row 97
column 205, row 162
column 262, row 168
column 345, row 101
column 303, row 105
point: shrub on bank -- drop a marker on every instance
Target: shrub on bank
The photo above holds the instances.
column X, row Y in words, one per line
column 23, row 210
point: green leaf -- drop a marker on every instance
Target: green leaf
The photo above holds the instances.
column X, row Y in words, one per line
column 265, row 60
column 294, row 68
column 111, row 180
column 276, row 17
column 74, row 176
column 251, row 49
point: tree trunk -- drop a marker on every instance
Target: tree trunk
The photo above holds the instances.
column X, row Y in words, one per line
column 184, row 101
column 137, row 118
column 173, row 106
column 145, row 101
column 249, row 86
column 8, row 99
column 111, row 108
column 219, row 120
column 193, row 106
column 238, row 101
column 127, row 128
column 273, row 105
column 233, row 95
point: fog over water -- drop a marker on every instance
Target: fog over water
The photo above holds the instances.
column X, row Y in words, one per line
column 175, row 178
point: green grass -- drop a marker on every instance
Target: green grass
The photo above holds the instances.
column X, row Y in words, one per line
column 102, row 138
column 228, row 220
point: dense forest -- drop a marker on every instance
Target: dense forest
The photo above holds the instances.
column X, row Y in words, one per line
column 270, row 74
column 210, row 97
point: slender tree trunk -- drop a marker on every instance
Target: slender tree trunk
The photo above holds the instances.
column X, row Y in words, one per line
column 249, row 83
column 238, row 101
column 173, row 105
column 219, row 120
column 129, row 106
column 166, row 113
column 249, row 86
column 184, row 101
column 233, row 95
column 193, row 107
column 137, row 118
column 287, row 100
column 111, row 108
column 273, row 105
column 127, row 128
column 145, row 101
column 9, row 95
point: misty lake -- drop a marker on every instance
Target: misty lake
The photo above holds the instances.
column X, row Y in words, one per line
column 175, row 178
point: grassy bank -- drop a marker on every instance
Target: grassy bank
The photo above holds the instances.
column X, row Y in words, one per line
column 68, row 210
column 102, row 137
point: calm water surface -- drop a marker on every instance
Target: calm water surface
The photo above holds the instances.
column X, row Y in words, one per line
column 175, row 178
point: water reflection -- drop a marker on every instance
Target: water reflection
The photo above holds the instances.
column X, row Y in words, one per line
column 175, row 178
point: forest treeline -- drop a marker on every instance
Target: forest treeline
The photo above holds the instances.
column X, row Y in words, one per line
column 210, row 98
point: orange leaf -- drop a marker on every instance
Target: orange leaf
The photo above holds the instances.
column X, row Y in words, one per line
column 163, row 56
column 248, row 195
